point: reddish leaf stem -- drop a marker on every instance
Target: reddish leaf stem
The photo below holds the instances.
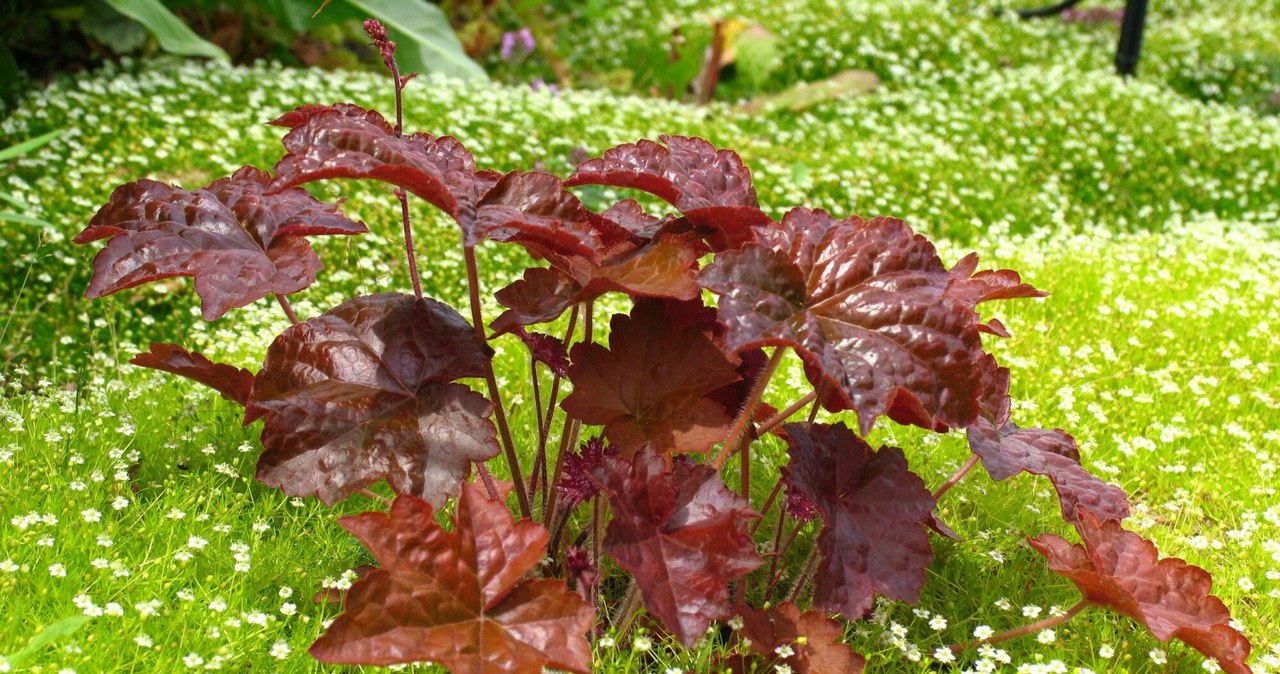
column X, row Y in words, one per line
column 540, row 460
column 817, row 401
column 408, row 242
column 959, row 475
column 1031, row 628
column 544, row 431
column 804, row 574
column 489, row 485
column 374, row 496
column 778, row 552
column 777, row 542
column 500, row 412
column 768, row 503
column 288, row 308
column 777, row 419
column 738, row 432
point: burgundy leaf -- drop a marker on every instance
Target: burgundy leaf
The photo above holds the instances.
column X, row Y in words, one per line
column 1013, row 450
column 665, row 267
column 650, row 385
column 584, row 572
column 712, row 188
column 234, row 383
column 865, row 305
column 1123, row 571
column 547, row 350
column 239, row 242
column 811, row 639
column 682, row 534
column 533, row 209
column 576, row 483
column 347, row 141
column 457, row 597
column 363, row 392
column 875, row 511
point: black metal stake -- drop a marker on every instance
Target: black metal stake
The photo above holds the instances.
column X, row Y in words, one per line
column 1127, row 53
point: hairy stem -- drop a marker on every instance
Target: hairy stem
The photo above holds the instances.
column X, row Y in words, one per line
column 738, row 432
column 499, row 412
column 777, row 549
column 288, row 308
column 540, row 459
column 374, row 496
column 544, row 430
column 489, row 484
column 778, row 419
column 959, row 475
column 627, row 610
column 786, row 545
column 803, row 578
column 768, row 503
column 1031, row 628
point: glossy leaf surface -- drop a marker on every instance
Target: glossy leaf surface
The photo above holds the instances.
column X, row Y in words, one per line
column 1013, row 450
column 1123, row 571
column 711, row 187
column 866, row 305
column 239, row 241
column 650, row 386
column 363, row 392
column 459, row 598
column 875, row 516
column 233, row 383
column 812, row 639
column 681, row 533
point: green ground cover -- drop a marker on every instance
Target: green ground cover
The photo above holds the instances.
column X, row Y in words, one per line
column 1149, row 213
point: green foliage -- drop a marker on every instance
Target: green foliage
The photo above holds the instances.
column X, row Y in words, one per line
column 425, row 39
column 172, row 35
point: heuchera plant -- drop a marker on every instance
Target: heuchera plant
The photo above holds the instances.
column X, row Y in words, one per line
column 373, row 390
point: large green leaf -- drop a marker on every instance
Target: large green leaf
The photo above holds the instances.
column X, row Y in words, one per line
column 427, row 43
column 173, row 35
column 63, row 628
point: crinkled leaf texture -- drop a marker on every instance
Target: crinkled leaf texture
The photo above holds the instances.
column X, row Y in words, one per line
column 1012, row 450
column 766, row 634
column 712, row 188
column 457, row 597
column 237, row 239
column 875, row 516
column 870, row 308
column 681, row 533
column 233, row 383
column 1124, row 572
column 650, row 386
column 363, row 392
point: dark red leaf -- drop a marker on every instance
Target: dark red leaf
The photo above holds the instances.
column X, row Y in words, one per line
column 347, row 141
column 665, row 267
column 875, row 511
column 866, row 306
column 576, row 483
column 239, row 242
column 584, row 572
column 547, row 350
column 812, row 639
column 362, row 392
column 712, row 188
column 1013, row 450
column 1123, row 571
column 234, row 383
column 533, row 210
column 457, row 598
column 681, row 533
column 650, row 385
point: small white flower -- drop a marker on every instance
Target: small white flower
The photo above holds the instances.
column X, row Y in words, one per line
column 784, row 651
column 944, row 655
column 196, row 543
column 606, row 642
column 1158, row 656
column 288, row 608
column 143, row 640
column 1031, row 611
column 280, row 650
column 192, row 660
column 1105, row 651
column 91, row 515
column 642, row 644
column 938, row 623
column 1047, row 636
column 57, row 571
column 983, row 632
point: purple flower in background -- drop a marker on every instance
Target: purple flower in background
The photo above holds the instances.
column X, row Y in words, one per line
column 538, row 84
column 522, row 37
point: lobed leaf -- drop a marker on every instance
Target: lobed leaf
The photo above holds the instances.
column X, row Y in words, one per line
column 1012, row 450
column 650, row 386
column 348, row 141
column 362, row 392
column 233, row 383
column 459, row 598
column 869, row 308
column 1123, row 571
column 235, row 237
column 681, row 533
column 712, row 188
column 812, row 639
column 875, row 514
